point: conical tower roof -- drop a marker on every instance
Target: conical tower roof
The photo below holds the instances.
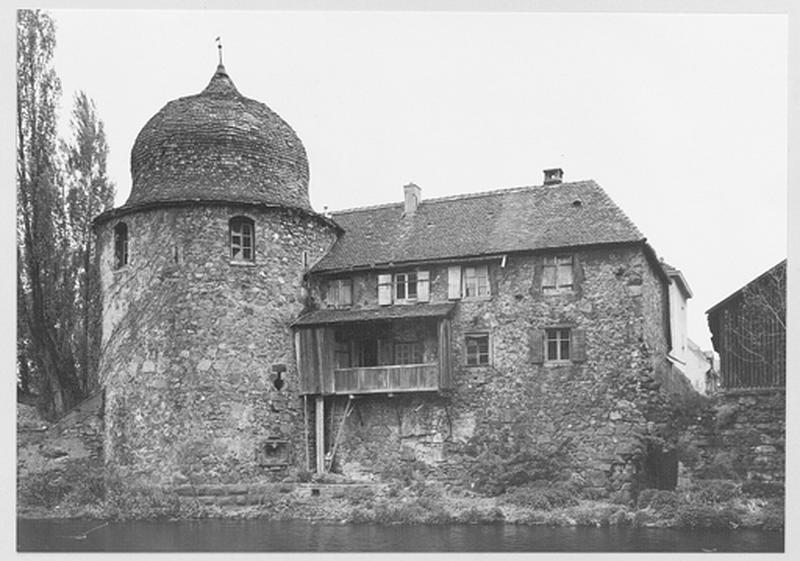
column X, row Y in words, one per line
column 219, row 145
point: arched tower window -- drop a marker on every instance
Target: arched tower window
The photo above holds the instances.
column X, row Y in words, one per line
column 120, row 245
column 242, row 238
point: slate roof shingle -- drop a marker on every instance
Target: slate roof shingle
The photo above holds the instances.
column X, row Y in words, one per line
column 517, row 219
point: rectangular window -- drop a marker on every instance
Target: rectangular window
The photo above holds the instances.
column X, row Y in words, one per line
column 408, row 353
column 120, row 245
column 476, row 281
column 557, row 273
column 241, row 239
column 477, row 349
column 340, row 292
column 405, row 286
column 557, row 344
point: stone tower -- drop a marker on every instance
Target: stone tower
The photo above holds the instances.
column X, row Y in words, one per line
column 202, row 274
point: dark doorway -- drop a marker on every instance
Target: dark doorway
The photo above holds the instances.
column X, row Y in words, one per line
column 660, row 468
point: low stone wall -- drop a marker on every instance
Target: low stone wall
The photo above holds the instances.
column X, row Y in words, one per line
column 741, row 435
column 84, row 423
column 77, row 436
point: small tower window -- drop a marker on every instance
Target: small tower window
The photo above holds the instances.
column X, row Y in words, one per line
column 120, row 245
column 242, row 239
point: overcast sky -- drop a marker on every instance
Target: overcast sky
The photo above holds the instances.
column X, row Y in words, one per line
column 681, row 118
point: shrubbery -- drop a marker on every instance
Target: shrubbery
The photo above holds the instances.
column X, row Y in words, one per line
column 765, row 489
column 541, row 497
column 513, row 459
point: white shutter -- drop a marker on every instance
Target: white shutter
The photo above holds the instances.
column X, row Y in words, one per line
column 454, row 282
column 384, row 290
column 423, row 286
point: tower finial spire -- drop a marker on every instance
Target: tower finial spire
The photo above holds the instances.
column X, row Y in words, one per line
column 219, row 47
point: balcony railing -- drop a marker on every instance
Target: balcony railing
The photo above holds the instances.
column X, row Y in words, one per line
column 387, row 379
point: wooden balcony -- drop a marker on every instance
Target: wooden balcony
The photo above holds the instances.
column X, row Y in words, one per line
column 386, row 379
column 316, row 355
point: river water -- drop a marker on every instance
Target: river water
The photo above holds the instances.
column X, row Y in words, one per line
column 264, row 535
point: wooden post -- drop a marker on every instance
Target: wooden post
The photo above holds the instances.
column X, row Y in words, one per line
column 320, row 434
column 305, row 430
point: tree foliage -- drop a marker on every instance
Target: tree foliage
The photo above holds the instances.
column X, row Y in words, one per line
column 89, row 192
column 60, row 187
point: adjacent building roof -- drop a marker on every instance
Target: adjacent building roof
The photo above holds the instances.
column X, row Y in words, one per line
column 779, row 271
column 518, row 219
column 219, row 145
column 320, row 317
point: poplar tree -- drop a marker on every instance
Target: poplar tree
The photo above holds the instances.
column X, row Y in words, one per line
column 45, row 277
column 89, row 193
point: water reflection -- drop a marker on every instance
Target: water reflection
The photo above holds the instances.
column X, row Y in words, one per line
column 261, row 535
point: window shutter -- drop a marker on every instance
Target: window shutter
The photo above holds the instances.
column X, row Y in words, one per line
column 577, row 273
column 423, row 286
column 346, row 292
column 454, row 282
column 549, row 276
column 565, row 273
column 384, row 290
column 578, row 345
column 536, row 346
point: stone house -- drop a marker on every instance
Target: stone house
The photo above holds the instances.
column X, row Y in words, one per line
column 245, row 335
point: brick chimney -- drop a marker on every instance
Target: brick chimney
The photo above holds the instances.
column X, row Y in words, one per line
column 412, row 194
column 553, row 176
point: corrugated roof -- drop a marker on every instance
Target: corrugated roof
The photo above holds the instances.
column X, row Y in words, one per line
column 375, row 314
column 523, row 218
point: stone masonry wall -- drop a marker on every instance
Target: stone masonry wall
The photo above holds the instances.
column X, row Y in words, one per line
column 190, row 340
column 741, row 435
column 594, row 412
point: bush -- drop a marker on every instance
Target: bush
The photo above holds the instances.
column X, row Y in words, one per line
column 645, row 496
column 773, row 518
column 714, row 491
column 762, row 489
column 726, row 416
column 42, row 490
column 516, row 461
column 541, row 497
column 142, row 502
column 694, row 515
column 361, row 496
column 664, row 503
column 304, row 476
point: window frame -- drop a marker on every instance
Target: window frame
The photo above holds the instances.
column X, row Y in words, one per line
column 560, row 342
column 414, row 349
column 406, row 283
column 121, row 246
column 488, row 352
column 336, row 290
column 558, row 265
column 242, row 223
column 465, row 277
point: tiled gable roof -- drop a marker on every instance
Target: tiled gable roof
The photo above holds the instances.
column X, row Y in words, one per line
column 525, row 218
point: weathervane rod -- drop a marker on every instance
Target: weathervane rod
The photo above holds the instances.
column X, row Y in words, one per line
column 219, row 46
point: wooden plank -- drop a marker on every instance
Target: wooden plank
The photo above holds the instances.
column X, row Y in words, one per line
column 306, row 361
column 445, row 366
column 319, row 418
